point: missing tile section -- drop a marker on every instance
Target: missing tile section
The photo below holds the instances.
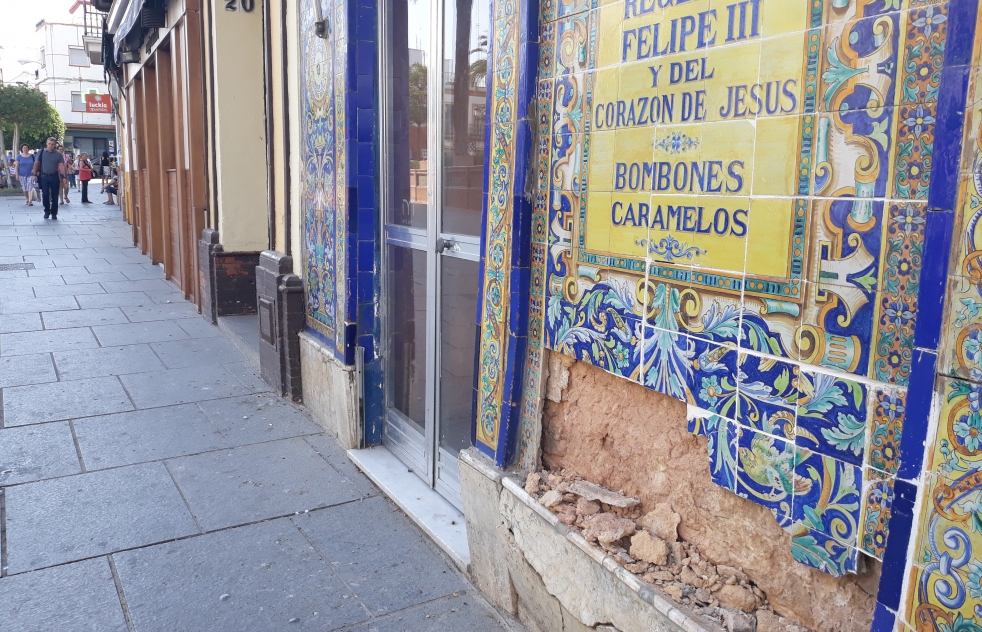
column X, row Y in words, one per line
column 16, row 266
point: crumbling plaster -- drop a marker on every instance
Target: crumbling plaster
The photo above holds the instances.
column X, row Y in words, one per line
column 621, row 435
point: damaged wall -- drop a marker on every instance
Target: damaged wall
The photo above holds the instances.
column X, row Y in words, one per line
column 621, row 435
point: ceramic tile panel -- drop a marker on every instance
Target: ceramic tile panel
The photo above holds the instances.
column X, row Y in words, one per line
column 832, row 416
column 827, row 497
column 820, row 551
column 325, row 250
column 946, row 574
column 736, row 217
column 768, row 393
column 874, row 517
column 766, row 473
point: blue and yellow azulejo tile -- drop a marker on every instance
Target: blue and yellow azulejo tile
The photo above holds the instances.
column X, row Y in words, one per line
column 766, row 473
column 832, row 416
column 768, row 394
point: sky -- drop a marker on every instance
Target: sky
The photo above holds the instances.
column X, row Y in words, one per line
column 17, row 33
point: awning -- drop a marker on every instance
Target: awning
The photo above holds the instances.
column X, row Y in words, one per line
column 131, row 20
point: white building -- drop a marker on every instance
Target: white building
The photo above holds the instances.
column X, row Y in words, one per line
column 72, row 80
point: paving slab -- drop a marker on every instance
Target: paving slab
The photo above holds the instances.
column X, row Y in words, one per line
column 76, row 517
column 385, row 559
column 257, row 482
column 178, row 354
column 325, row 445
column 83, row 318
column 80, row 597
column 257, row 578
column 200, row 328
column 258, row 418
column 145, row 435
column 46, row 341
column 85, row 276
column 77, row 365
column 134, row 333
column 181, row 386
column 158, row 285
column 11, row 323
column 114, row 299
column 153, row 311
column 68, row 290
column 26, row 369
column 461, row 612
column 140, row 271
column 17, row 305
column 32, row 453
column 248, row 374
column 39, row 403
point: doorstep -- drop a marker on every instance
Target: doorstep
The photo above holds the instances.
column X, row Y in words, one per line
column 434, row 514
column 243, row 331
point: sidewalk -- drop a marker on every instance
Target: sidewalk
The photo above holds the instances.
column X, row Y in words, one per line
column 151, row 481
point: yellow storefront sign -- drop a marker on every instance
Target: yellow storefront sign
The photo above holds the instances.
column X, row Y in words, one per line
column 696, row 139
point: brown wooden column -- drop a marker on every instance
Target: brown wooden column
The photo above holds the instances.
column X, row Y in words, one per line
column 165, row 170
column 135, row 159
column 196, row 165
column 150, row 167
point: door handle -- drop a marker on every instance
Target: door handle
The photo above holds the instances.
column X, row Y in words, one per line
column 443, row 245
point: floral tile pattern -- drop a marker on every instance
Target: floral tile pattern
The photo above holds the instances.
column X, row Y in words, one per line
column 828, row 285
column 827, row 496
column 766, row 473
column 768, row 394
column 874, row 522
column 884, row 430
column 832, row 416
column 786, row 308
column 815, row 549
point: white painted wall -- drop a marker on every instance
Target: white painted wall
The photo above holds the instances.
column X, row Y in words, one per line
column 58, row 79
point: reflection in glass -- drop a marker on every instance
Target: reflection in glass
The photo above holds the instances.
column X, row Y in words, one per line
column 465, row 67
column 406, row 364
column 408, row 38
column 458, row 304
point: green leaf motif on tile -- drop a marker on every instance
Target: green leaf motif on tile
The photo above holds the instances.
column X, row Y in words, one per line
column 879, row 133
column 838, row 73
column 850, row 434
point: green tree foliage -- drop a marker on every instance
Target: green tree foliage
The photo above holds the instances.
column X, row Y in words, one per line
column 417, row 94
column 28, row 110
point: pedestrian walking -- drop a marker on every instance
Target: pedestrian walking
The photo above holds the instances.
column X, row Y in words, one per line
column 104, row 166
column 70, row 167
column 49, row 167
column 25, row 173
column 63, row 186
column 84, row 175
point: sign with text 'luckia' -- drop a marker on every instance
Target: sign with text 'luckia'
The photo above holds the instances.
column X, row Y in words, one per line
column 698, row 139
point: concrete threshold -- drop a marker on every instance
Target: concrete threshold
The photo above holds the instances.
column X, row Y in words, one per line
column 244, row 333
column 432, row 512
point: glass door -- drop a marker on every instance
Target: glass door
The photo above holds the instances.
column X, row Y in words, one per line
column 433, row 102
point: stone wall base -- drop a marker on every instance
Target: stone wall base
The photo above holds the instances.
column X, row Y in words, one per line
column 281, row 319
column 330, row 392
column 227, row 280
column 551, row 579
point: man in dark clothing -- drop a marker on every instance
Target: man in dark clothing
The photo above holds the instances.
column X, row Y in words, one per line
column 50, row 168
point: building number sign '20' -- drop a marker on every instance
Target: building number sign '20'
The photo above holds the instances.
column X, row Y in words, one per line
column 247, row 5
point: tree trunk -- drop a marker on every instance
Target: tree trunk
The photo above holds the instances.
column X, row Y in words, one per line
column 16, row 146
column 462, row 80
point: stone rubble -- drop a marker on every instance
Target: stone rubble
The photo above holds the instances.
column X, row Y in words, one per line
column 648, row 545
